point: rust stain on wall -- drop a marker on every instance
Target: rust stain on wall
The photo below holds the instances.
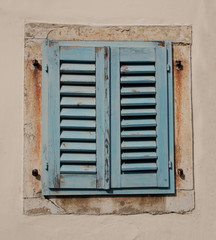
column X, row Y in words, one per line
column 33, row 110
column 32, row 127
column 178, row 100
column 37, row 92
column 183, row 148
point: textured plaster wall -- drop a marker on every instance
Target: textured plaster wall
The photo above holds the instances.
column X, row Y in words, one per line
column 201, row 223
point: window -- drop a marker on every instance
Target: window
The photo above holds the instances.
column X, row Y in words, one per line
column 107, row 118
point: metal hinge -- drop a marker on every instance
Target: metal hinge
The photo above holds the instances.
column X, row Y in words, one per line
column 170, row 165
column 47, row 166
column 168, row 67
column 46, row 68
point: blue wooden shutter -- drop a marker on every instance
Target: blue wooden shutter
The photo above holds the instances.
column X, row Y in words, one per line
column 139, row 118
column 107, row 132
column 77, row 118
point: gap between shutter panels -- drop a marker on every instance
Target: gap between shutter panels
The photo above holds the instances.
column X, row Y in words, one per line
column 138, row 117
column 78, row 117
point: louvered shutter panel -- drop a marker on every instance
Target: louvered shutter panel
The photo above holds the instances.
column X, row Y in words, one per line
column 139, row 117
column 78, row 117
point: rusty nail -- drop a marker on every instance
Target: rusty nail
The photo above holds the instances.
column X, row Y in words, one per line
column 179, row 65
column 181, row 173
column 36, row 64
column 35, row 172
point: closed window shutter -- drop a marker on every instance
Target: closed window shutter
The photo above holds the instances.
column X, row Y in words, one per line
column 139, row 119
column 107, row 118
column 78, row 101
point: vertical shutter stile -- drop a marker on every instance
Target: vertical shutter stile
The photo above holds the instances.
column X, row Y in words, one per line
column 53, row 116
column 162, row 116
column 115, row 120
column 103, row 115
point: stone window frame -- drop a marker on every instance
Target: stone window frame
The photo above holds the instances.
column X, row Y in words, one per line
column 184, row 199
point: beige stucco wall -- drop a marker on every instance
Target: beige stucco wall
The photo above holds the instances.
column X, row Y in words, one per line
column 201, row 223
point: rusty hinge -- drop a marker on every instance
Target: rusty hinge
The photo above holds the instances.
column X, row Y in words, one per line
column 46, row 68
column 168, row 67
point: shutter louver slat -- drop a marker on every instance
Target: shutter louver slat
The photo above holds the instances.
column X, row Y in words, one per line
column 77, row 68
column 137, row 91
column 77, row 90
column 66, row 169
column 137, row 79
column 77, row 102
column 138, row 156
column 135, row 167
column 78, row 135
column 137, row 69
column 138, row 134
column 138, row 112
column 126, row 145
column 135, row 102
column 78, row 113
column 78, row 147
column 138, row 123
column 77, row 54
column 78, row 124
column 78, row 158
column 78, row 79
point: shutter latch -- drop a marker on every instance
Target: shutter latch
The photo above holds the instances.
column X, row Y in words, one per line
column 168, row 67
column 47, row 166
column 170, row 165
